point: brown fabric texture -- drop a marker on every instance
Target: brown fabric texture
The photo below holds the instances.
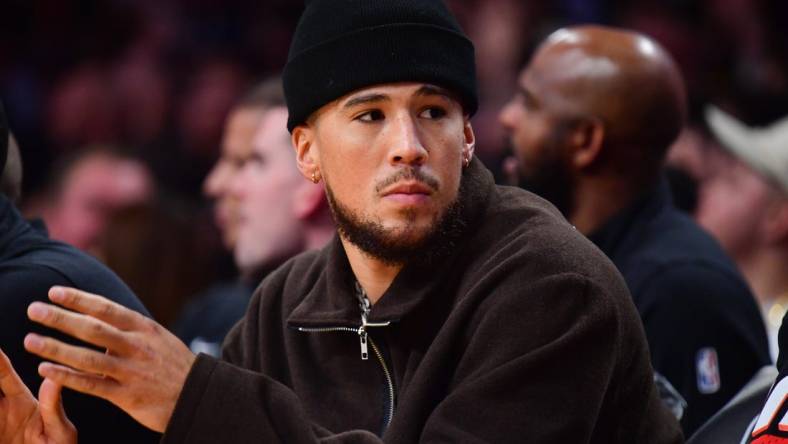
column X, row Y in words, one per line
column 524, row 333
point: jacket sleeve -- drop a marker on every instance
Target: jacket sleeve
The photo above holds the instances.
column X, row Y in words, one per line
column 225, row 403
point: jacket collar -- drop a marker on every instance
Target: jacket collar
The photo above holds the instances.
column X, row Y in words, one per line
column 332, row 301
column 613, row 236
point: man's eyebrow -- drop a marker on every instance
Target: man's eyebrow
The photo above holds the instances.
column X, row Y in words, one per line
column 431, row 90
column 366, row 99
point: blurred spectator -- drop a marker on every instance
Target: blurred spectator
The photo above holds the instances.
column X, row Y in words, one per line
column 585, row 137
column 266, row 210
column 745, row 205
column 239, row 132
column 87, row 189
column 30, row 263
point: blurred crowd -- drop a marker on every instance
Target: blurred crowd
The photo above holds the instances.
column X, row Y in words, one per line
column 151, row 141
column 120, row 106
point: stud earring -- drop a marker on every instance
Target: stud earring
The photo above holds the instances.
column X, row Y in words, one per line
column 466, row 161
column 315, row 179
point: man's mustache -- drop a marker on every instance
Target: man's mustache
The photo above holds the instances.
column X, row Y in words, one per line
column 408, row 174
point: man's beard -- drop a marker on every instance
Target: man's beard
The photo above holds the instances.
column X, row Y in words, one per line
column 401, row 246
column 551, row 178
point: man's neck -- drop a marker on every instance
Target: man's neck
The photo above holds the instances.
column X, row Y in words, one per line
column 317, row 234
column 597, row 200
column 373, row 275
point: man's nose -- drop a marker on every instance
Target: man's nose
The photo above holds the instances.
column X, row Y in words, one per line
column 406, row 145
column 506, row 115
column 216, row 181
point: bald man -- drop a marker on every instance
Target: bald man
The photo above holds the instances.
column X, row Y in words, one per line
column 595, row 112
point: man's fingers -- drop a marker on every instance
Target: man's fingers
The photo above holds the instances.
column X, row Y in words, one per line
column 97, row 307
column 10, row 383
column 87, row 383
column 83, row 327
column 80, row 358
column 49, row 400
column 56, row 424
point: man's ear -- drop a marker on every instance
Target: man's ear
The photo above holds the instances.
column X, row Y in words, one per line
column 469, row 140
column 585, row 139
column 306, row 151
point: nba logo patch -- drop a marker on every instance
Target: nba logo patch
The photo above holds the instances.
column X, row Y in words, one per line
column 708, row 369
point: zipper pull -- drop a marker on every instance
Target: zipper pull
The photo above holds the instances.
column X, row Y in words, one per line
column 362, row 334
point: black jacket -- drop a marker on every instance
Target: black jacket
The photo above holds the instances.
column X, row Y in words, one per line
column 204, row 323
column 30, row 264
column 695, row 306
column 523, row 333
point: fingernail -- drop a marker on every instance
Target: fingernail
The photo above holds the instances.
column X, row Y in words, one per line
column 57, row 294
column 37, row 311
column 44, row 369
column 33, row 341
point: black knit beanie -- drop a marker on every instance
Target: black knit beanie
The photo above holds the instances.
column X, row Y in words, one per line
column 340, row 46
column 3, row 138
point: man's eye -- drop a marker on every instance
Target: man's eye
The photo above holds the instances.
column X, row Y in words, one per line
column 371, row 116
column 433, row 113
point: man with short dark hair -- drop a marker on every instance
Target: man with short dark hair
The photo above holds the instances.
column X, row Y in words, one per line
column 596, row 110
column 30, row 263
column 446, row 309
column 239, row 132
column 266, row 211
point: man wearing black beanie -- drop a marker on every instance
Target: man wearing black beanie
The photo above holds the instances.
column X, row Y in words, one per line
column 446, row 308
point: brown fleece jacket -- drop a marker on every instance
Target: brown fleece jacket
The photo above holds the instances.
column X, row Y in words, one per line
column 525, row 332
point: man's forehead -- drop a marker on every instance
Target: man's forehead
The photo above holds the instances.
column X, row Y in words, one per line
column 242, row 123
column 399, row 89
column 562, row 76
column 272, row 130
column 537, row 88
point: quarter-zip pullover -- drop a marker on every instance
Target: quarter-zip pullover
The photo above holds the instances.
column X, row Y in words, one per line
column 524, row 332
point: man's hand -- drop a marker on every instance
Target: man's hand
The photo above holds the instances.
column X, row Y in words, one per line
column 23, row 420
column 145, row 365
